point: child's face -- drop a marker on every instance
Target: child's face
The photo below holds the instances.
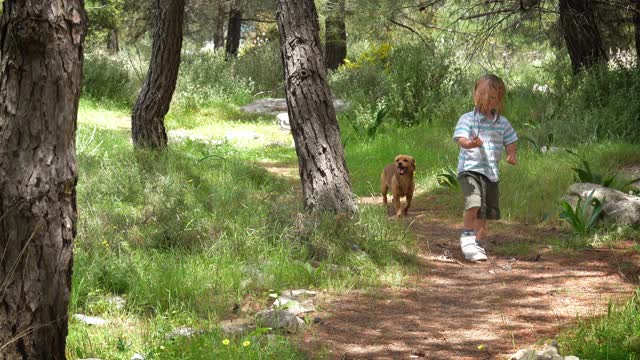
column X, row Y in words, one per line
column 488, row 99
column 492, row 100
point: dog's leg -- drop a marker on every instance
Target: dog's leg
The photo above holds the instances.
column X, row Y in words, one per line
column 409, row 197
column 384, row 188
column 396, row 203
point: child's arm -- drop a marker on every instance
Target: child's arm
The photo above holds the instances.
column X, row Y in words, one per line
column 470, row 143
column 511, row 153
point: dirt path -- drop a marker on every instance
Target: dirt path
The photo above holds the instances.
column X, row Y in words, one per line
column 453, row 309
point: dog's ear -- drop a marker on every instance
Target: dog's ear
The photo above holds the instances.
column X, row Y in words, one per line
column 413, row 163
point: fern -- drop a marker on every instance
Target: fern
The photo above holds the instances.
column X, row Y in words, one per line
column 449, row 179
column 584, row 218
column 372, row 129
column 586, row 175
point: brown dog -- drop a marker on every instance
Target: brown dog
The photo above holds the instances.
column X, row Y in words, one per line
column 399, row 177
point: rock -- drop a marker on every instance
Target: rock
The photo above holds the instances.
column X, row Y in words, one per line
column 137, row 356
column 182, row 331
column 299, row 293
column 241, row 135
column 266, row 106
column 279, row 319
column 543, row 89
column 618, row 207
column 118, row 302
column 283, row 121
column 237, row 326
column 550, row 353
column 549, row 150
column 90, row 320
column 631, row 172
column 274, row 106
column 293, row 305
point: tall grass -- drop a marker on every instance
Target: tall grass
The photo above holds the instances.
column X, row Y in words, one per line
column 615, row 335
column 185, row 234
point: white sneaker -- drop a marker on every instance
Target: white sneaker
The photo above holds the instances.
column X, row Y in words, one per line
column 470, row 248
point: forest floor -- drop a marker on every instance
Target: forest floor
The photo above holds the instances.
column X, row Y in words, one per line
column 454, row 309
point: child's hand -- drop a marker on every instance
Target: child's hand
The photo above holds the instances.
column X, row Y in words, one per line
column 475, row 142
column 511, row 153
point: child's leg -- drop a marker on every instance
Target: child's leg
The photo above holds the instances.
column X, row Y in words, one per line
column 473, row 200
column 480, row 227
column 469, row 218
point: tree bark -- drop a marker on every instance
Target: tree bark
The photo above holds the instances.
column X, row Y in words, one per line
column 335, row 34
column 218, row 34
column 581, row 34
column 147, row 120
column 113, row 45
column 41, row 53
column 636, row 26
column 234, row 29
column 323, row 170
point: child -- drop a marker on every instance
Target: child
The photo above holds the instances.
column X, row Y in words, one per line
column 481, row 135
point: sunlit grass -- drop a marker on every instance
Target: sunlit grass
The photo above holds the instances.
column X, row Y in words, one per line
column 186, row 234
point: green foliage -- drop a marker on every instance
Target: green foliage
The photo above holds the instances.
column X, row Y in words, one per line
column 364, row 124
column 615, row 335
column 412, row 84
column 448, row 178
column 585, row 175
column 262, row 65
column 104, row 16
column 205, row 78
column 585, row 216
column 595, row 105
column 185, row 234
column 109, row 79
column 539, row 142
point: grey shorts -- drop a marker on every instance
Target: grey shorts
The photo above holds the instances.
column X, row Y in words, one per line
column 480, row 192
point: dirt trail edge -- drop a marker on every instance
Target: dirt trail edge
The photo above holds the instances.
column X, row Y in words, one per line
column 454, row 309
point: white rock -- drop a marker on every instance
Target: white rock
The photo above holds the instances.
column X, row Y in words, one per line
column 618, row 207
column 237, row 326
column 279, row 319
column 240, row 135
column 90, row 320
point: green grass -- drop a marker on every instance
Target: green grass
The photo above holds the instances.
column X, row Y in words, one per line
column 615, row 335
column 185, row 234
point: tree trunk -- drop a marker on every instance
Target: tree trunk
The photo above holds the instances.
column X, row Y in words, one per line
column 220, row 16
column 41, row 53
column 323, row 171
column 335, row 35
column 636, row 26
column 234, row 28
column 112, row 41
column 581, row 34
column 147, row 120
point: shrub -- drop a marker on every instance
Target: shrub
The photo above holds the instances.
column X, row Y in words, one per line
column 206, row 77
column 262, row 65
column 596, row 105
column 109, row 78
column 412, row 80
column 585, row 216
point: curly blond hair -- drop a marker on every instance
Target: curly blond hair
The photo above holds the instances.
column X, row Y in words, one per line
column 481, row 93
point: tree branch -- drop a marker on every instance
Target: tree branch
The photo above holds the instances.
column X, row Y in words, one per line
column 412, row 30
